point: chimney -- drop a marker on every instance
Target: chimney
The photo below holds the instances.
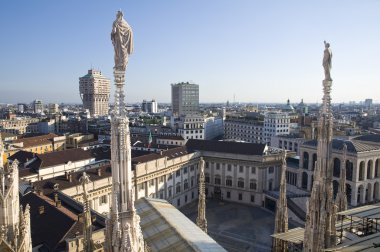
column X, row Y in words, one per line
column 160, row 152
column 80, row 218
column 99, row 172
column 66, row 175
column 55, row 197
column 58, row 203
column 41, row 209
column 70, row 178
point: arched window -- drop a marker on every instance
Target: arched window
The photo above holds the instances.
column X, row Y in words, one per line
column 252, row 184
column 185, row 184
column 348, row 193
column 377, row 168
column 304, row 180
column 361, row 171
column 217, row 180
column 178, row 187
column 336, row 170
column 228, row 181
column 349, row 170
column 314, row 160
column 335, row 188
column 305, row 160
column 369, row 169
column 240, row 183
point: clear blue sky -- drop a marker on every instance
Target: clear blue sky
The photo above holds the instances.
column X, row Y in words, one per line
column 261, row 51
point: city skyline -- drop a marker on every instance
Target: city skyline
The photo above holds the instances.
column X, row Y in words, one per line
column 257, row 52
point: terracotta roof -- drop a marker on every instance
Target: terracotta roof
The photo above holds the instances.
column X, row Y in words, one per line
column 226, row 147
column 22, row 156
column 172, row 153
column 171, row 137
column 47, row 185
column 50, row 227
column 60, row 157
column 36, row 140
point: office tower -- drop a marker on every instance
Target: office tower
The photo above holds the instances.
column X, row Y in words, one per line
column 149, row 106
column 185, row 98
column 38, row 107
column 94, row 89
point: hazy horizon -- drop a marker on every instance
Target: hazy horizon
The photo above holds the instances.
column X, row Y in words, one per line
column 257, row 51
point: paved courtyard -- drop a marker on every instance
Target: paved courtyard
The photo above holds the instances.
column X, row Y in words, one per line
column 237, row 227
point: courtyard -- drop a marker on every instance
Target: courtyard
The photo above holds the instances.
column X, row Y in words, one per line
column 237, row 227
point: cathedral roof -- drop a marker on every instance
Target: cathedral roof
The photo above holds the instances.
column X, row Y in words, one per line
column 352, row 145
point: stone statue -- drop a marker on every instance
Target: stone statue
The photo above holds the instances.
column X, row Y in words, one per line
column 122, row 40
column 327, row 56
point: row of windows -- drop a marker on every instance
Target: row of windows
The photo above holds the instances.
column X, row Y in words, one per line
column 229, row 167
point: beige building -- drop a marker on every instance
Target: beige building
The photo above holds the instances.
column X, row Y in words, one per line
column 95, row 91
column 20, row 126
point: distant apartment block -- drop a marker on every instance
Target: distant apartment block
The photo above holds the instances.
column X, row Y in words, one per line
column 185, row 98
column 149, row 106
column 94, row 89
column 38, row 106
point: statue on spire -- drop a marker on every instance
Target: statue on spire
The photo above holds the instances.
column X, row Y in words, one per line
column 201, row 219
column 122, row 40
column 87, row 223
column 327, row 56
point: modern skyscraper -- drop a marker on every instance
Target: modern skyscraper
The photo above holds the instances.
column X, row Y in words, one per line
column 185, row 98
column 38, row 106
column 94, row 89
column 149, row 106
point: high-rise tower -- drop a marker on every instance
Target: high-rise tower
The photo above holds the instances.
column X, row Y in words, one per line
column 123, row 230
column 94, row 89
column 15, row 234
column 321, row 212
column 185, row 98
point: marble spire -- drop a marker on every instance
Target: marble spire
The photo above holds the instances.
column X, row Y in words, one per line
column 281, row 221
column 341, row 197
column 15, row 232
column 321, row 211
column 201, row 219
column 123, row 232
column 87, row 222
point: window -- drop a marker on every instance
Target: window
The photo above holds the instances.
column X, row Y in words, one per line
column 207, row 165
column 161, row 179
column 178, row 187
column 103, row 199
column 217, row 180
column 241, row 168
column 185, row 170
column 170, row 191
column 170, row 176
column 240, row 196
column 178, row 173
column 192, row 168
column 252, row 198
column 228, row 181
column 241, row 183
column 229, row 167
column 192, row 181
column 161, row 194
column 207, row 178
column 228, row 195
column 185, row 184
column 252, row 185
column 141, row 186
column 185, row 198
column 218, row 166
column 253, row 170
column 271, row 170
column 192, row 195
column 178, row 202
column 151, row 182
